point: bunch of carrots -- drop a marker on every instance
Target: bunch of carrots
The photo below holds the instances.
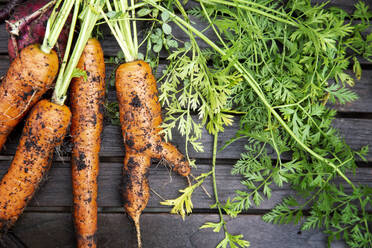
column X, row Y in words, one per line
column 37, row 69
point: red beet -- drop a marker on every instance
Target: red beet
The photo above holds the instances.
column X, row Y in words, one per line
column 34, row 30
column 5, row 11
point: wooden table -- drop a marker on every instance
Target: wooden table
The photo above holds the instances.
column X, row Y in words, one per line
column 47, row 221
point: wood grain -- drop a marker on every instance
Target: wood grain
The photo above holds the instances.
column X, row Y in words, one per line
column 56, row 190
column 357, row 133
column 44, row 230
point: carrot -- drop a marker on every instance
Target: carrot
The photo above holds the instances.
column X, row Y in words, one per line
column 87, row 97
column 45, row 128
column 87, row 101
column 140, row 118
column 29, row 76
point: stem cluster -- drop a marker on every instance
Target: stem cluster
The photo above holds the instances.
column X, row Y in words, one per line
column 90, row 17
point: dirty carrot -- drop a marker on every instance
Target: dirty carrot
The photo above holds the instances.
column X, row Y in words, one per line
column 29, row 76
column 45, row 128
column 87, row 98
column 140, row 117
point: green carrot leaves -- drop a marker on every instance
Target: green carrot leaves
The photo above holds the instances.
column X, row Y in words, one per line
column 283, row 64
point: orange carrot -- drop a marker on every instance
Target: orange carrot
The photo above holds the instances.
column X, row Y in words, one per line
column 29, row 76
column 45, row 128
column 48, row 121
column 140, row 117
column 87, row 98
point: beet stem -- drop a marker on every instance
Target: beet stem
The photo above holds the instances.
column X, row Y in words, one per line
column 15, row 45
column 16, row 26
column 5, row 12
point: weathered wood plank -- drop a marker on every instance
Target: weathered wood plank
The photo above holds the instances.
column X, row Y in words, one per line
column 354, row 130
column 56, row 190
column 357, row 133
column 3, row 39
column 363, row 88
column 163, row 230
column 4, row 64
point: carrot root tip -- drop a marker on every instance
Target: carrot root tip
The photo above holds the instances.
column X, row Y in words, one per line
column 138, row 231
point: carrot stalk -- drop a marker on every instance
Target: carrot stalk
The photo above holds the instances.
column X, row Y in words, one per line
column 87, row 98
column 90, row 18
column 55, row 24
column 45, row 128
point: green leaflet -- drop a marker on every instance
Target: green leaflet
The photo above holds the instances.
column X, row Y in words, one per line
column 297, row 53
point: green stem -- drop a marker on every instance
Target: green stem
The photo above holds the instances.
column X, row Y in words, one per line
column 212, row 25
column 215, row 191
column 292, row 104
column 255, row 86
column 139, row 5
column 231, row 111
column 115, row 30
column 126, row 29
column 90, row 19
column 255, row 10
column 256, row 5
column 55, row 25
column 69, row 43
column 121, row 28
column 135, row 39
column 188, row 110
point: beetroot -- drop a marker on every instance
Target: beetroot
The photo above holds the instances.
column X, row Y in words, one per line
column 34, row 29
column 5, row 11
